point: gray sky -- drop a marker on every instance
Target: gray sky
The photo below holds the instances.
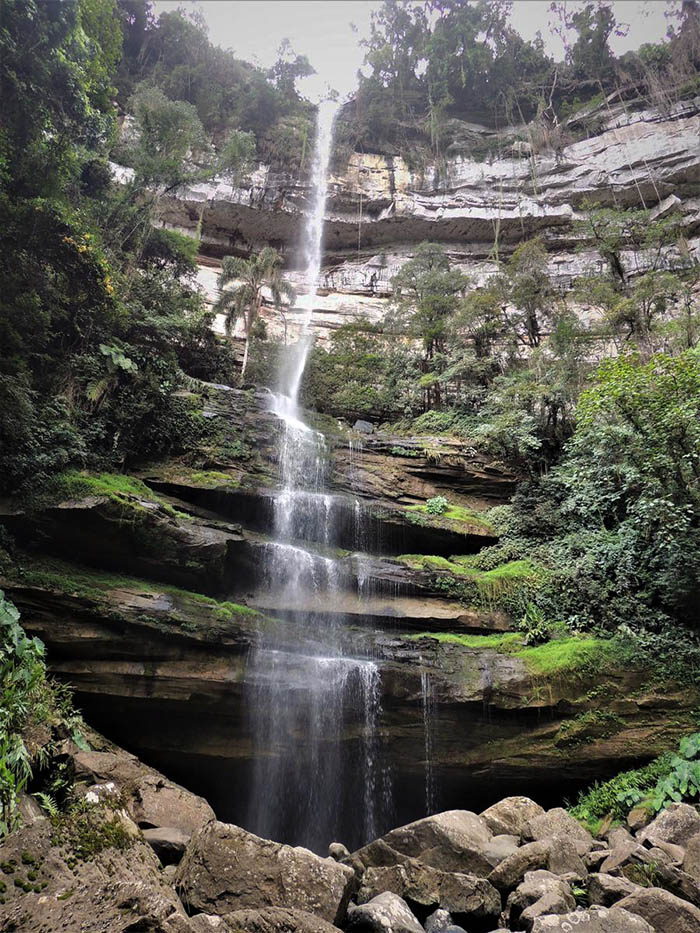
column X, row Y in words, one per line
column 320, row 29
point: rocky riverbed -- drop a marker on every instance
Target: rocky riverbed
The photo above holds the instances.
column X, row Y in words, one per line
column 137, row 852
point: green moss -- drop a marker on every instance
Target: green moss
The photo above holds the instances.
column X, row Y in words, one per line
column 455, row 514
column 568, row 655
column 125, row 491
column 505, row 642
column 586, row 727
column 93, row 584
column 565, row 655
column 86, row 830
column 212, row 478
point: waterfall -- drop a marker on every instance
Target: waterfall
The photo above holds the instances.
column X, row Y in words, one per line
column 314, row 706
column 312, row 246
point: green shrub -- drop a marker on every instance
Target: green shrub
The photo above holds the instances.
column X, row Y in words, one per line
column 437, row 506
column 667, row 779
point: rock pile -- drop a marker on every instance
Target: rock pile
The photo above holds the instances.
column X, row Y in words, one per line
column 154, row 857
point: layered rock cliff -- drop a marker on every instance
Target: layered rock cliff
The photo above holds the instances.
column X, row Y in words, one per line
column 492, row 191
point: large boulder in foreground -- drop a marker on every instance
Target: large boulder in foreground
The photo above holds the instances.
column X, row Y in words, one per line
column 455, row 840
column 226, row 868
column 89, row 873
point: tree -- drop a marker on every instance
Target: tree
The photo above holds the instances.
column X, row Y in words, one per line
column 241, row 285
column 426, row 293
column 529, row 288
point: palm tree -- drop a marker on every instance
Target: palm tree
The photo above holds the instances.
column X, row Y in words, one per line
column 244, row 298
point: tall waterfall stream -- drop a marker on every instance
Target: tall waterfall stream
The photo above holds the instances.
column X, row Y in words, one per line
column 314, row 706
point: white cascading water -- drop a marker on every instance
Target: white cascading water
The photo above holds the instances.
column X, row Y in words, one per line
column 314, row 707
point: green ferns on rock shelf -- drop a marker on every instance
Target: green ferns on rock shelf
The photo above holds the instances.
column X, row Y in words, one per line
column 29, row 705
column 669, row 778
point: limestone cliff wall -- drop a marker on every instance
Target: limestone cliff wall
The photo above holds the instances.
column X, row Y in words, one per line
column 379, row 208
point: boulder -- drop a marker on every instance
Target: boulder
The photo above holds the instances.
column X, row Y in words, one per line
column 606, row 890
column 363, row 427
column 206, row 923
column 424, row 889
column 272, row 920
column 450, row 841
column 593, row 920
column 440, row 921
column 638, row 818
column 557, row 822
column 664, row 912
column 85, row 872
column 226, row 868
column 555, row 901
column 511, row 870
column 677, row 825
column 338, row 852
column 385, row 913
column 151, row 799
column 509, row 816
column 168, row 842
column 564, row 858
column 691, row 862
column 541, row 892
column 499, row 848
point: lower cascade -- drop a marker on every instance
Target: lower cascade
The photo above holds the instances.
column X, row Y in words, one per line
column 314, row 706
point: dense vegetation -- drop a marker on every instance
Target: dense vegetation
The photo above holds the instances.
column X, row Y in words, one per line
column 431, row 66
column 99, row 317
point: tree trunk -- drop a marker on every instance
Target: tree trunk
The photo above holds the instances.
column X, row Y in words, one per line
column 245, row 355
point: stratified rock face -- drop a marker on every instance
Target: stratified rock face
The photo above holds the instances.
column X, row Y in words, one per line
column 378, row 209
column 226, row 868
